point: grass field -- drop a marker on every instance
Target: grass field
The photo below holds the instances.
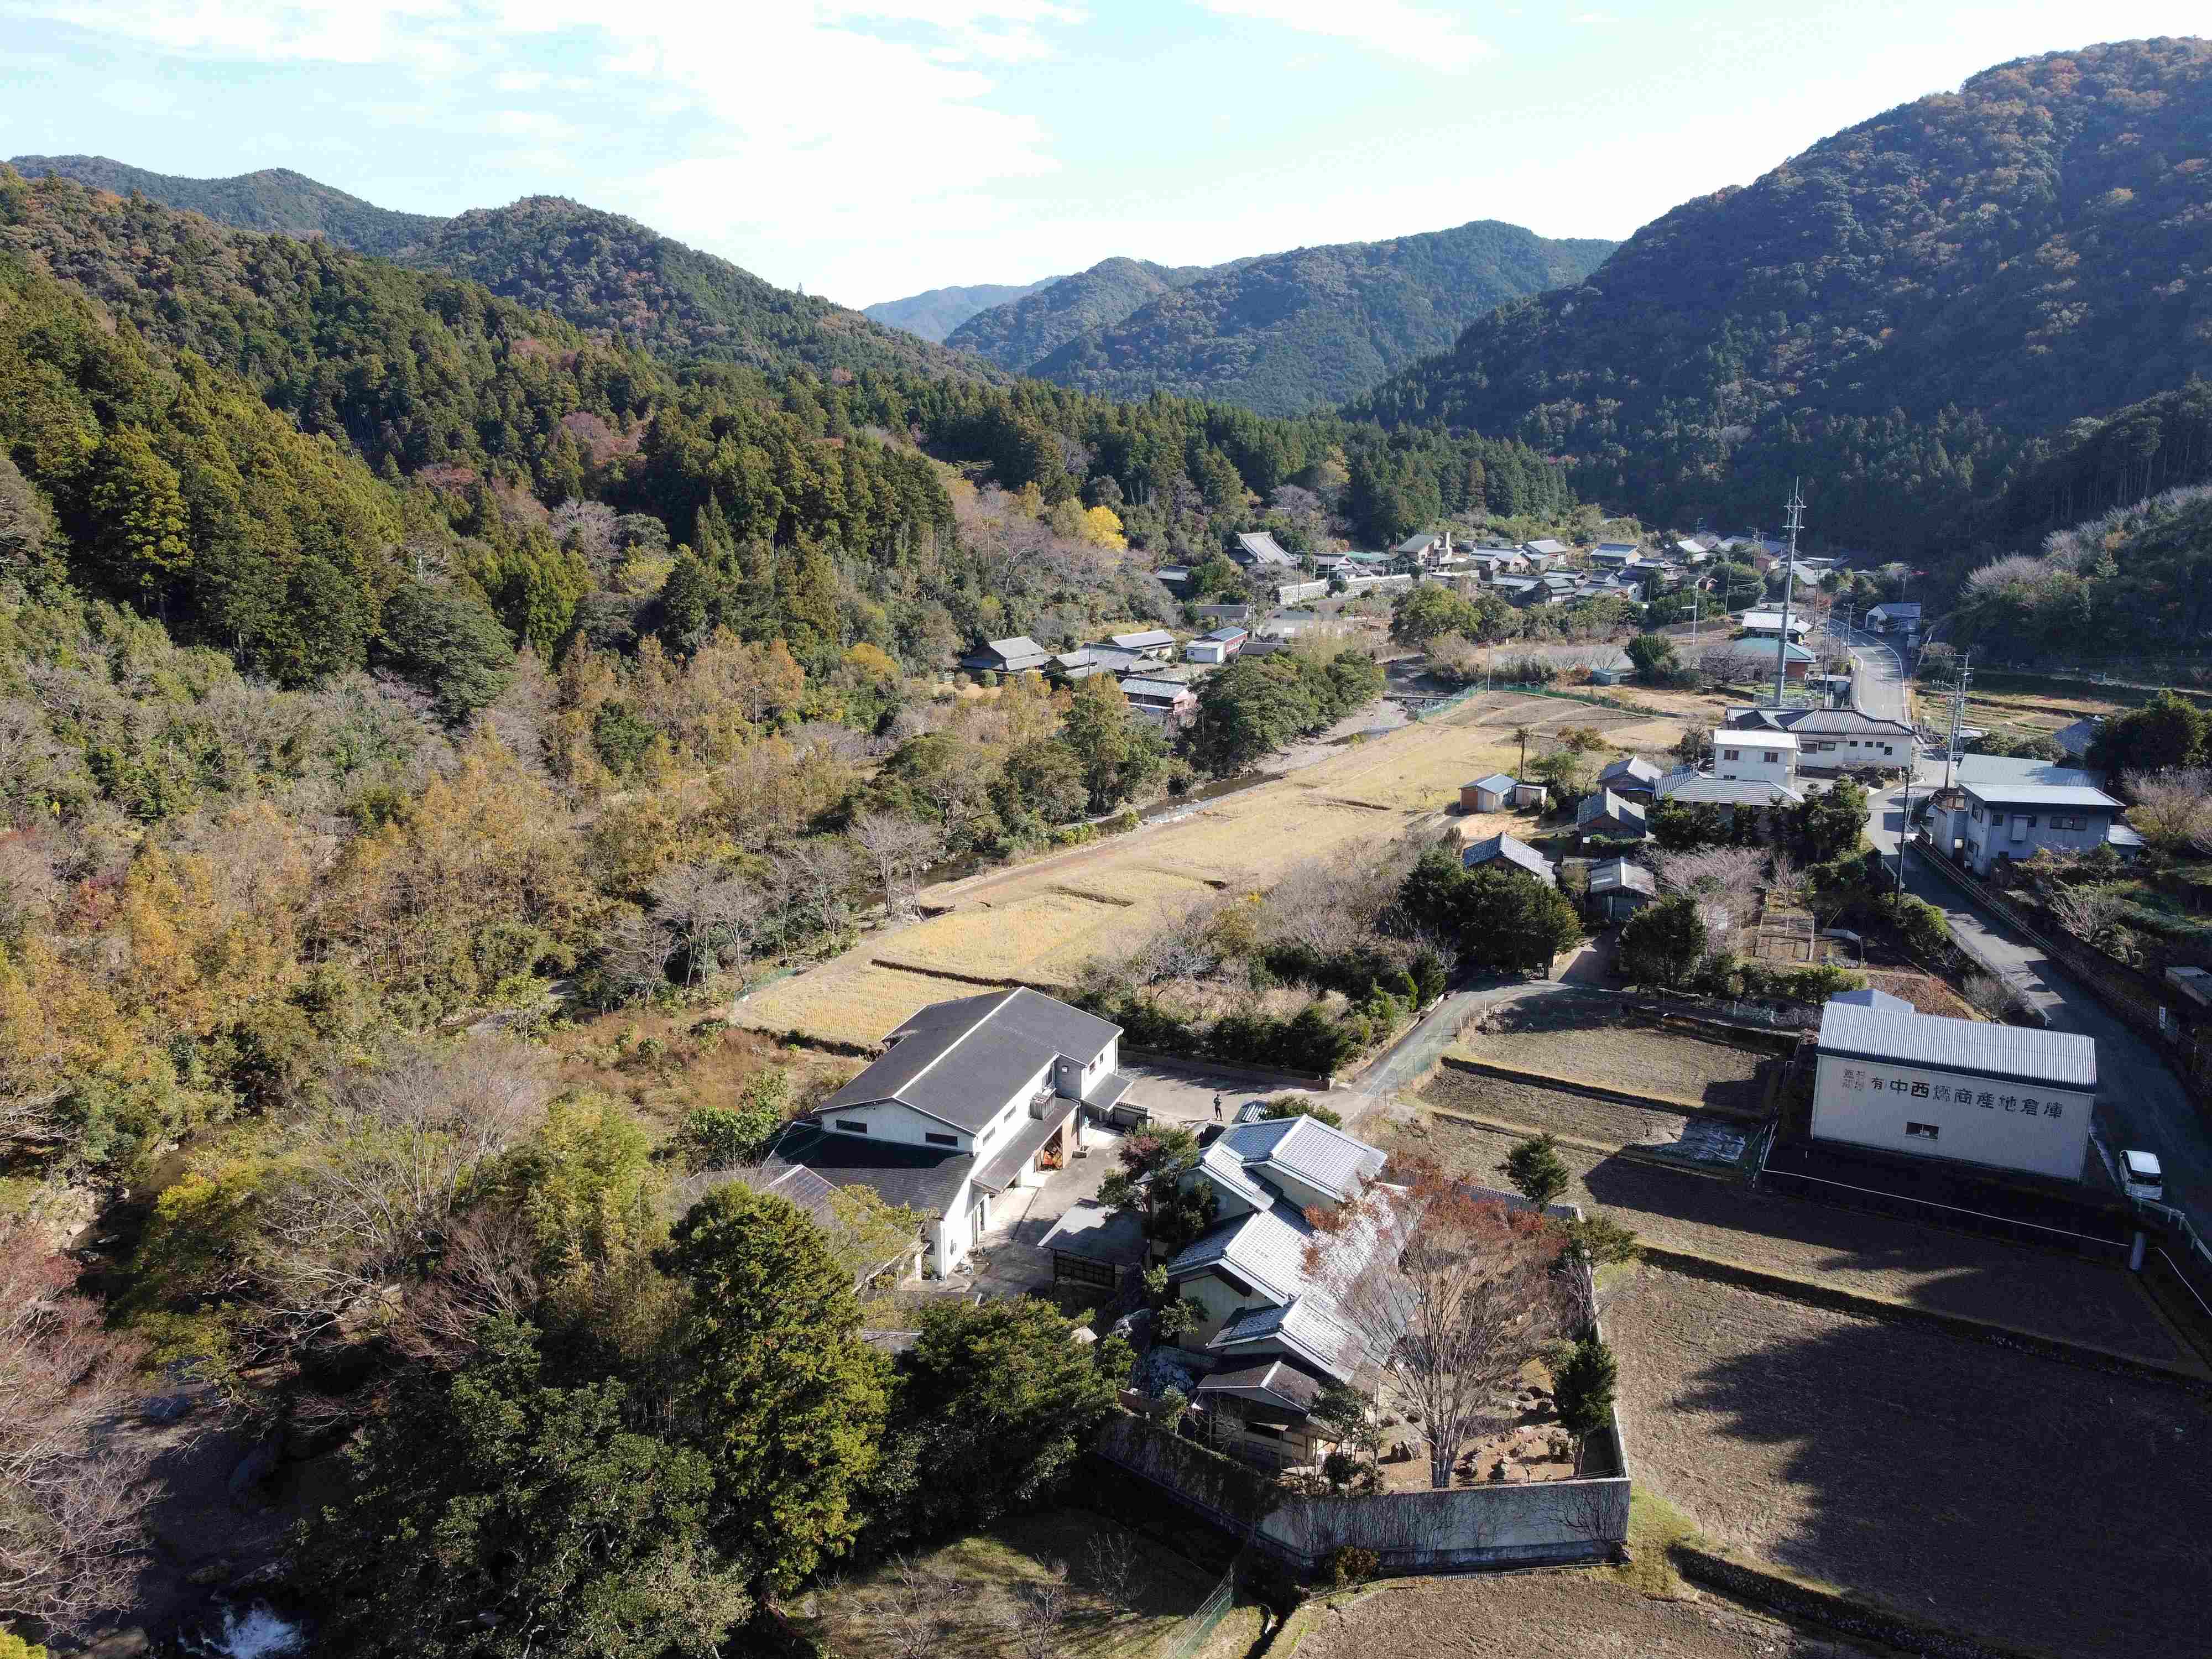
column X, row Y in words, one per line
column 1040, row 923
column 1544, row 1615
column 2028, row 1500
column 1585, row 1040
column 2061, row 1296
column 971, row 1588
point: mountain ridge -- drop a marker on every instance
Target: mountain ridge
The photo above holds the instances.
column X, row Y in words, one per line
column 1279, row 333
column 1895, row 313
column 934, row 312
column 272, row 199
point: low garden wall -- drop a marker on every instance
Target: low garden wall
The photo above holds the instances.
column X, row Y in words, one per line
column 1544, row 1522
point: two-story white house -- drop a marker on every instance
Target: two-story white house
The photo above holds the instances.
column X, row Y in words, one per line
column 973, row 1098
column 1756, row 757
column 2001, row 820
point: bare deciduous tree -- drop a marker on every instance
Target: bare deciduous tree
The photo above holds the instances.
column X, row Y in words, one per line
column 1111, row 1563
column 69, row 1517
column 2173, row 809
column 1722, row 881
column 377, row 1181
column 817, row 875
column 708, row 915
column 2091, row 914
column 1039, row 1612
column 1448, row 1290
column 900, row 849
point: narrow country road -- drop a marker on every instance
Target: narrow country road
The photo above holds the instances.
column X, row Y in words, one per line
column 2140, row 1102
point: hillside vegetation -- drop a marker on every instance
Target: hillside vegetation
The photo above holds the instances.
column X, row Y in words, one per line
column 603, row 272
column 937, row 312
column 1282, row 333
column 1891, row 314
column 1024, row 332
column 274, row 198
column 1292, row 331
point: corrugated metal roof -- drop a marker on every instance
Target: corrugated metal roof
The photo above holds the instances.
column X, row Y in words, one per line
column 1263, row 549
column 1143, row 641
column 1496, row 780
column 1870, row 998
column 2065, row 1058
column 2040, row 794
column 1616, row 875
column 2010, row 769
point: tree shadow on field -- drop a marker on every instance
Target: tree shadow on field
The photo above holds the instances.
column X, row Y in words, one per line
column 1963, row 1274
column 2030, row 1500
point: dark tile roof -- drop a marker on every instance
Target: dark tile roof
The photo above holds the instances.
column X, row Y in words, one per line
column 1513, row 850
column 1095, row 1233
column 925, row 1178
column 961, row 1061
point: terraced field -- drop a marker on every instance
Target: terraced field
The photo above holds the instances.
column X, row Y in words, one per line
column 1040, row 923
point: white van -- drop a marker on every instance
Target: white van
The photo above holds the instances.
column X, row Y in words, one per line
column 2145, row 1179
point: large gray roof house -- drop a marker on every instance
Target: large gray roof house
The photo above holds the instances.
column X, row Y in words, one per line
column 975, row 1098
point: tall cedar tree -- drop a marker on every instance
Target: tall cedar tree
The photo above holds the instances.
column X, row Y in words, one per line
column 776, row 1386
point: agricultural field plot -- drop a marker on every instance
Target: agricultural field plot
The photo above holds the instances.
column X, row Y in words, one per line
column 978, row 1581
column 1042, row 923
column 1546, row 1615
column 2061, row 1296
column 1586, row 1039
column 1577, row 1117
column 2024, row 1499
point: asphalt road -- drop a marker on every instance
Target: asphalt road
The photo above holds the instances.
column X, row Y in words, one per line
column 2140, row 1102
column 1877, row 672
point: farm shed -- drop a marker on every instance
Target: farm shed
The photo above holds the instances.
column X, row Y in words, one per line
column 1491, row 794
column 2001, row 1096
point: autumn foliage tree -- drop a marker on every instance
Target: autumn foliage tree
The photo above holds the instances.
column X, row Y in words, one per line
column 1450, row 1292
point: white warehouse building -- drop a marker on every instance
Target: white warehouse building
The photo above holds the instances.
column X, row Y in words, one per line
column 2001, row 1096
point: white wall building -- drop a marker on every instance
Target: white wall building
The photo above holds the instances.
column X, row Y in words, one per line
column 1756, row 757
column 975, row 1098
column 1997, row 1095
column 1997, row 821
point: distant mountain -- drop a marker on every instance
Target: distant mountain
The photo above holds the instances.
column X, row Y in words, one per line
column 274, row 200
column 1292, row 332
column 937, row 312
column 1029, row 331
column 600, row 270
column 1282, row 333
column 1895, row 313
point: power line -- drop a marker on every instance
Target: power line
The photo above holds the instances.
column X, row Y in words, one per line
column 1794, row 511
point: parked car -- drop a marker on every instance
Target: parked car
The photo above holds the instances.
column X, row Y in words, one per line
column 2144, row 1177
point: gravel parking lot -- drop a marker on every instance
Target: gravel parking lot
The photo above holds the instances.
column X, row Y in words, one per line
column 2029, row 1500
column 1548, row 1615
column 2057, row 1296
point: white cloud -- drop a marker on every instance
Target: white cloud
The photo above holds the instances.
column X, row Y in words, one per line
column 1392, row 28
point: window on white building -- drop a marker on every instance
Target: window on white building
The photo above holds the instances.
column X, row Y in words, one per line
column 1923, row 1131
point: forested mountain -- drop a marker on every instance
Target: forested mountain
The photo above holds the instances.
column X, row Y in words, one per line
column 274, row 198
column 1028, row 330
column 1282, row 333
column 1891, row 314
column 602, row 271
column 809, row 516
column 937, row 312
column 2093, row 465
column 1292, row 331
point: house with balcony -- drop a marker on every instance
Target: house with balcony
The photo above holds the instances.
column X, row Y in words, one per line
column 972, row 1100
column 1168, row 704
column 1830, row 740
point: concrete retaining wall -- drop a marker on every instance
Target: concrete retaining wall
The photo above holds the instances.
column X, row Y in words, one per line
column 1837, row 1613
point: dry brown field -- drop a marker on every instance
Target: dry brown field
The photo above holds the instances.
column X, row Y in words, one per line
column 982, row 1578
column 2028, row 1500
column 2061, row 1296
column 1587, row 1040
column 1607, row 1124
column 1545, row 1615
column 1040, row 923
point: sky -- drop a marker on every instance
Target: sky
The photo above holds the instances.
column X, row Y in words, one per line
column 867, row 149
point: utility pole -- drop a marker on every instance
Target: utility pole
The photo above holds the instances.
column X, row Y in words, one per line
column 1905, row 825
column 1795, row 508
column 1958, row 717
